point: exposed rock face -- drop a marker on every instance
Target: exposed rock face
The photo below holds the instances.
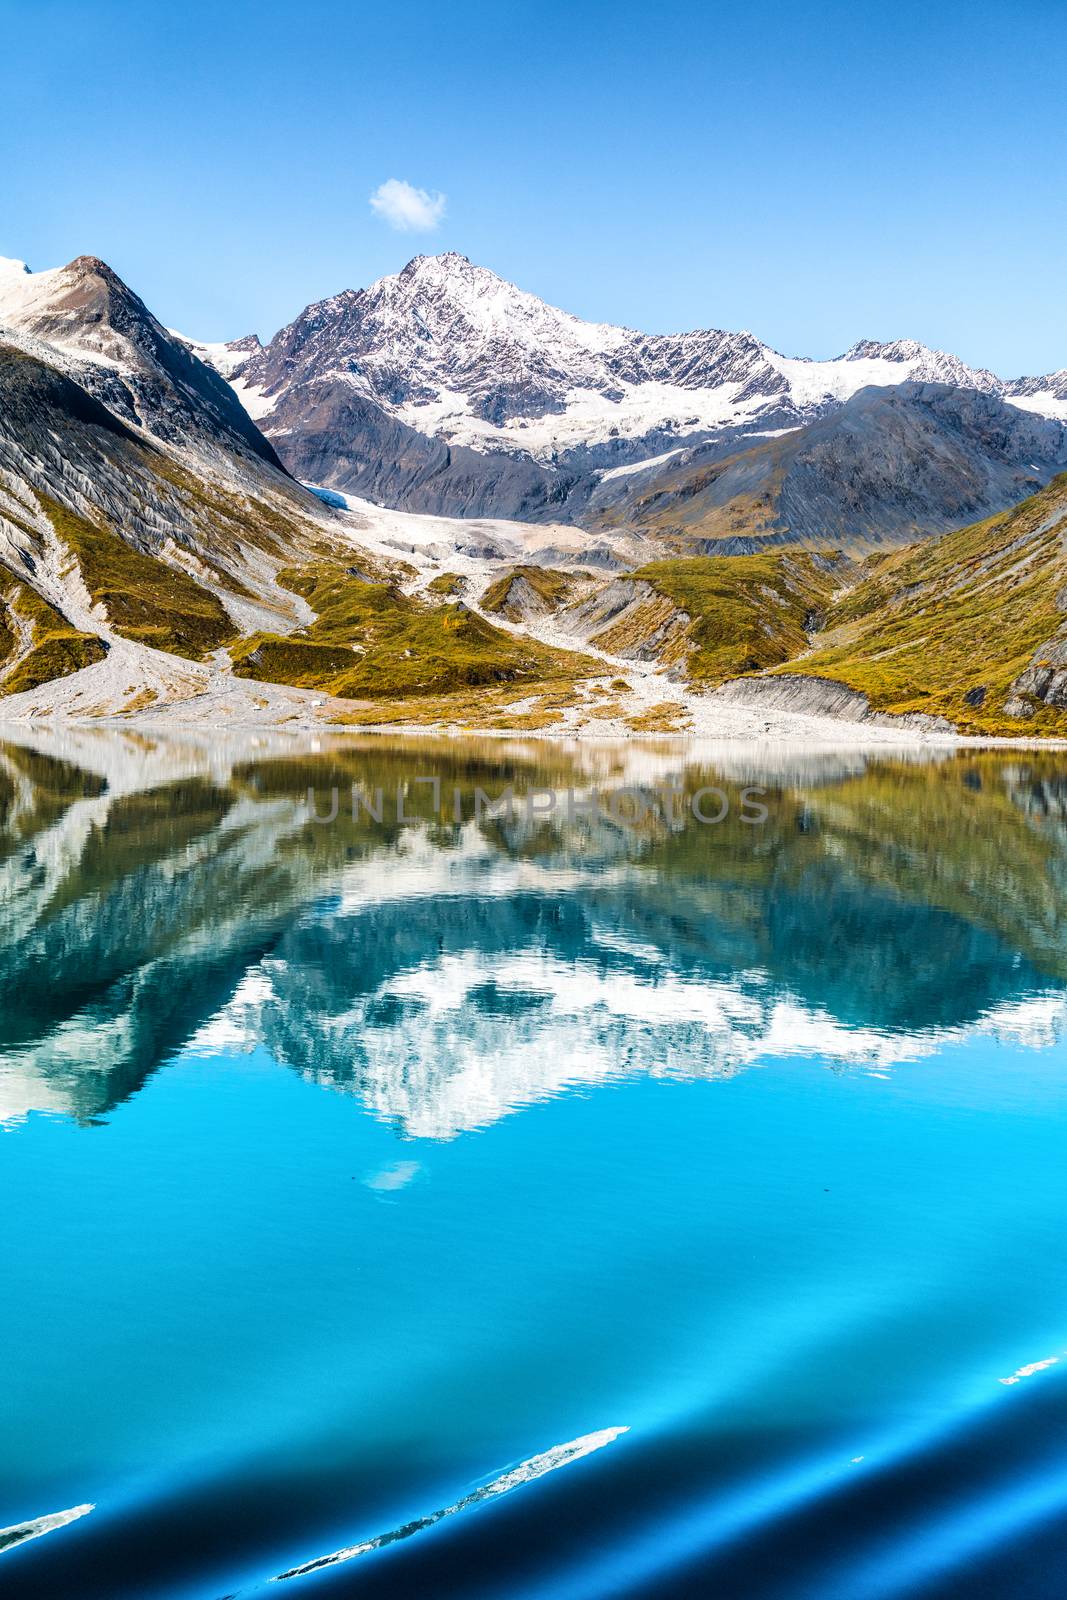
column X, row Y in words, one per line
column 629, row 618
column 1045, row 679
column 61, row 440
column 56, row 440
column 108, row 417
column 919, row 458
column 1042, row 392
column 524, row 602
column 529, row 593
column 891, row 465
column 337, row 437
column 207, row 527
column 824, row 697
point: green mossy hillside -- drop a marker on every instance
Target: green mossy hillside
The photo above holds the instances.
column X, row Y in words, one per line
column 371, row 641
column 945, row 628
column 747, row 613
column 143, row 597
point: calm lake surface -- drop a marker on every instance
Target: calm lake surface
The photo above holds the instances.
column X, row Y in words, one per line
column 595, row 1199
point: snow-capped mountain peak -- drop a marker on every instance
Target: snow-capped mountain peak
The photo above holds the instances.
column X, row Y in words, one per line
column 894, row 350
column 23, row 292
column 449, row 292
column 84, row 309
column 458, row 354
column 83, row 319
column 924, row 365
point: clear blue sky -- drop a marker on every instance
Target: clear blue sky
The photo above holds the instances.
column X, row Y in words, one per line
column 815, row 172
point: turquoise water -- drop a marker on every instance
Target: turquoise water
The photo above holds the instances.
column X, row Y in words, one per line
column 676, row 1206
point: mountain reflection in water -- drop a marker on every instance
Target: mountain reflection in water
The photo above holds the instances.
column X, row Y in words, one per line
column 160, row 898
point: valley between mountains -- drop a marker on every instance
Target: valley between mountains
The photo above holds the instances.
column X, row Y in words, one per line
column 438, row 502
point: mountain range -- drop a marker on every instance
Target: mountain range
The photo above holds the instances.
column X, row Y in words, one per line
column 440, row 486
column 445, row 389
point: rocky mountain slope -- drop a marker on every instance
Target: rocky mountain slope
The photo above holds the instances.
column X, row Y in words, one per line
column 972, row 627
column 445, row 389
column 887, row 467
column 116, row 349
column 968, row 631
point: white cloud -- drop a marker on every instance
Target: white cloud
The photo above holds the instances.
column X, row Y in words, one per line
column 406, row 208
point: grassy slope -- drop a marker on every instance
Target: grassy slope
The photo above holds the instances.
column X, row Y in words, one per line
column 943, row 628
column 748, row 612
column 369, row 641
column 935, row 623
column 145, row 599
column 550, row 586
column 56, row 648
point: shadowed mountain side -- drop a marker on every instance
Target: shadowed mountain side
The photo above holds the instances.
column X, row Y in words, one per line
column 82, row 494
column 337, row 437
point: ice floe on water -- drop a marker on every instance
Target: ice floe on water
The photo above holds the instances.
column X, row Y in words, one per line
column 560, row 1455
column 1028, row 1371
column 19, row 1532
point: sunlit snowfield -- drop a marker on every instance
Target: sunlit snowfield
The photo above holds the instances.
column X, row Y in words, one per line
column 590, row 1201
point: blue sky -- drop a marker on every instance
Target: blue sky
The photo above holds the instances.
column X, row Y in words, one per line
column 815, row 172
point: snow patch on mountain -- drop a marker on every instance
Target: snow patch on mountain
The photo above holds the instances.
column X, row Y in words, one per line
column 226, row 356
column 821, row 384
column 29, row 298
column 229, row 357
column 1044, row 401
column 640, row 466
column 588, row 416
column 12, row 269
column 1047, row 396
column 477, row 548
